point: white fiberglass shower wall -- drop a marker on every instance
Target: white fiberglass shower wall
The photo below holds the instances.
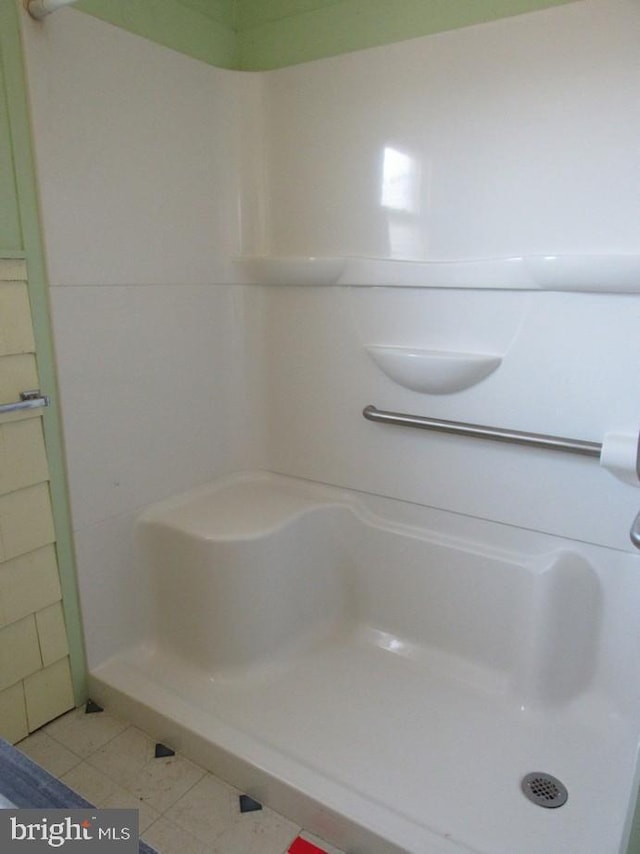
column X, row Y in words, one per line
column 146, row 161
column 511, row 140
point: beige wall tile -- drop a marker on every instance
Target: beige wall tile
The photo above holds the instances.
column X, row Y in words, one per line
column 16, row 334
column 23, row 459
column 48, row 693
column 33, row 642
column 28, row 584
column 19, row 651
column 17, row 373
column 25, row 520
column 13, row 270
column 52, row 634
column 13, row 714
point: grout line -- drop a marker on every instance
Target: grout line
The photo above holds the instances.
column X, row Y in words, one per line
column 84, row 758
column 58, row 742
column 102, row 746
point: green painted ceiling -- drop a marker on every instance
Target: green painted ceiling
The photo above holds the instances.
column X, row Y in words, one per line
column 223, row 11
column 263, row 34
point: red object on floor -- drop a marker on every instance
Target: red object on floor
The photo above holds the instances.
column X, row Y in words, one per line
column 301, row 846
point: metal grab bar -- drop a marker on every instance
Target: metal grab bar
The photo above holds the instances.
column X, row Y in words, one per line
column 496, row 434
column 28, row 400
column 634, row 533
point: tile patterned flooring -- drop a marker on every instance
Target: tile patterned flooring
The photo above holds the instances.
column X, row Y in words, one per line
column 183, row 809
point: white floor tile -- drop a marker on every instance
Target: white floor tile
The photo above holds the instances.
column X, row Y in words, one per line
column 211, row 812
column 105, row 793
column 124, row 756
column 129, row 760
column 162, row 782
column 168, row 838
column 83, row 733
column 49, row 753
column 207, row 809
column 122, row 799
column 261, row 832
column 89, row 783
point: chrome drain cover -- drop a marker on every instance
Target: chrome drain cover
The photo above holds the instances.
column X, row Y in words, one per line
column 545, row 790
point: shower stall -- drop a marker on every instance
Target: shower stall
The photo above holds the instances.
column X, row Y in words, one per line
column 346, row 356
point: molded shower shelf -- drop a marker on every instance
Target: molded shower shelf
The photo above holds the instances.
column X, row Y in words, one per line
column 604, row 273
column 293, row 270
column 597, row 273
column 434, row 371
column 479, row 273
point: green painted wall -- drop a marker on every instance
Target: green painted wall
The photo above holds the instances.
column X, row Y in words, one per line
column 254, row 35
column 634, row 843
column 10, row 232
column 286, row 32
column 20, row 237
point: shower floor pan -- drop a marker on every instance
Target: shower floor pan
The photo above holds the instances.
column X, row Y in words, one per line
column 387, row 674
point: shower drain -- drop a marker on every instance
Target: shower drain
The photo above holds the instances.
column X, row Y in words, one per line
column 544, row 790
